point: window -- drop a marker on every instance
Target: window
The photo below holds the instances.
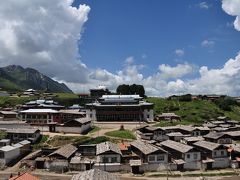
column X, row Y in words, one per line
column 195, row 156
column 105, row 160
column 151, row 158
column 215, row 153
column 222, row 153
column 148, row 116
column 188, row 156
column 160, row 158
column 114, row 159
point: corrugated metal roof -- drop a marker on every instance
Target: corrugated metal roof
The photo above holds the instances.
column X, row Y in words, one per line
column 183, row 148
column 39, row 111
column 107, row 146
column 95, row 174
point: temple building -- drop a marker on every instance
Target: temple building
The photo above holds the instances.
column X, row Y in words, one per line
column 120, row 108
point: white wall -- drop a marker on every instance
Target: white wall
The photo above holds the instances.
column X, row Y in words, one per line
column 147, row 113
column 193, row 162
column 10, row 155
column 221, row 163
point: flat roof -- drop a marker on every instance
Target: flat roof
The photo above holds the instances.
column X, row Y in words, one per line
column 7, row 148
column 39, row 111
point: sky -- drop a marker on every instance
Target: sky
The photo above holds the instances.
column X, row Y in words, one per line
column 169, row 46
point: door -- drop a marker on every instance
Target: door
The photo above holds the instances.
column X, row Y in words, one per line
column 135, row 170
column 209, row 165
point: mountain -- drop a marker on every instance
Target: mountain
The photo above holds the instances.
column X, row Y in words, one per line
column 17, row 78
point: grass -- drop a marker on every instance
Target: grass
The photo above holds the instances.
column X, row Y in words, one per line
column 193, row 112
column 3, row 134
column 58, row 141
column 94, row 129
column 123, row 134
column 13, row 101
column 41, row 142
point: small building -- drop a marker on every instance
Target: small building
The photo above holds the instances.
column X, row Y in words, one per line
column 108, row 157
column 40, row 116
column 200, row 131
column 8, row 154
column 65, row 152
column 218, row 137
column 168, row 117
column 59, row 159
column 235, row 135
column 149, row 153
column 214, row 155
column 5, row 142
column 69, row 114
column 79, row 126
column 95, row 174
column 17, row 135
column 8, row 115
column 175, row 136
column 192, row 139
column 24, row 176
column 108, row 152
column 188, row 156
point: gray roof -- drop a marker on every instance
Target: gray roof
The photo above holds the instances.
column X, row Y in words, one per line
column 193, row 138
column 95, row 174
column 83, row 120
column 8, row 112
column 175, row 134
column 202, row 128
column 107, row 146
column 183, row 148
column 22, row 131
column 233, row 133
column 65, row 151
column 145, row 148
column 214, row 135
column 25, row 142
column 207, row 145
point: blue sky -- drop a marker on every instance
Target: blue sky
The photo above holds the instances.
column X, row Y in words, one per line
column 154, row 30
column 169, row 46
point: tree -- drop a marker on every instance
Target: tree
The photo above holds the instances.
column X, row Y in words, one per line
column 131, row 89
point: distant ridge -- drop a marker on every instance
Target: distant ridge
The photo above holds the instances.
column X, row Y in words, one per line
column 17, row 78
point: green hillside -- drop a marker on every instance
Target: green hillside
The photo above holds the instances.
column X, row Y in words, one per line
column 16, row 78
column 192, row 112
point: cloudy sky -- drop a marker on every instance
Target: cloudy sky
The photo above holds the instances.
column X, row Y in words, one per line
column 169, row 46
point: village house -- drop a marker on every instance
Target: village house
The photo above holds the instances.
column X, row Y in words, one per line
column 200, row 131
column 191, row 139
column 235, row 135
column 108, row 157
column 8, row 154
column 120, row 108
column 17, row 135
column 168, row 117
column 185, row 156
column 79, row 126
column 5, row 142
column 127, row 153
column 95, row 174
column 84, row 158
column 218, row 137
column 150, row 156
column 24, row 146
column 40, row 116
column 214, row 155
column 59, row 159
column 175, row 136
column 69, row 114
column 8, row 115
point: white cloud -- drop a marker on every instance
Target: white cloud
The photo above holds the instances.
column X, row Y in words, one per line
column 178, row 71
column 207, row 43
column 232, row 7
column 179, row 52
column 204, row 5
column 43, row 35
